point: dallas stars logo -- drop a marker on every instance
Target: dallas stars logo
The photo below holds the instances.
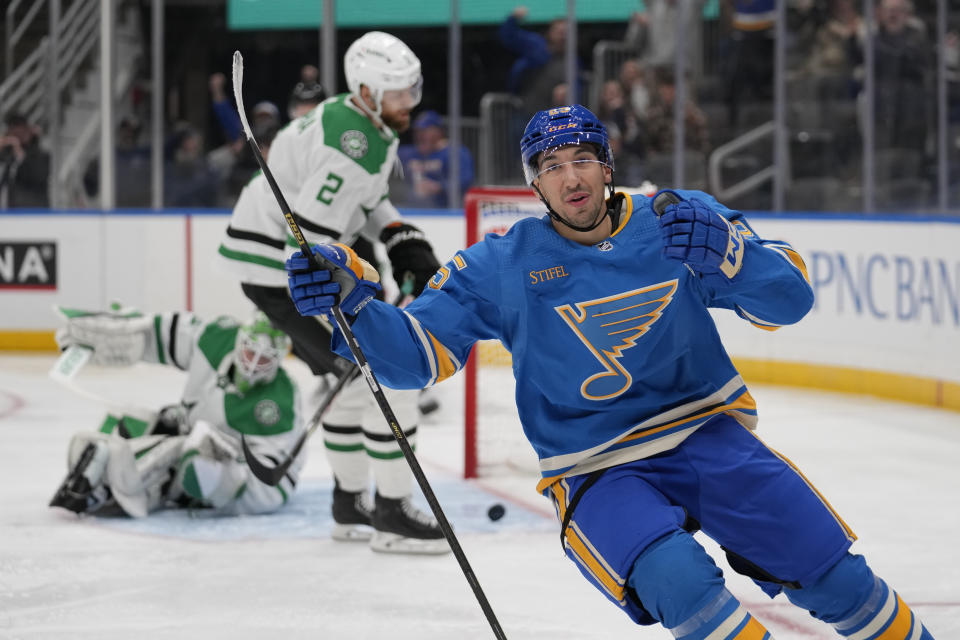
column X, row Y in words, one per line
column 267, row 412
column 354, row 143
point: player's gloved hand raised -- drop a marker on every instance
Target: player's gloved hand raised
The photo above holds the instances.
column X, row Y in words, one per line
column 702, row 238
column 347, row 280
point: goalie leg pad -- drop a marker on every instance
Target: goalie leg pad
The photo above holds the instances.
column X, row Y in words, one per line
column 211, row 470
column 140, row 471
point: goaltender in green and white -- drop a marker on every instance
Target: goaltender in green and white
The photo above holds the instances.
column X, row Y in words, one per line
column 187, row 454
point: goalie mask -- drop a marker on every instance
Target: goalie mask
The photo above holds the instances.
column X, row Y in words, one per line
column 387, row 67
column 258, row 352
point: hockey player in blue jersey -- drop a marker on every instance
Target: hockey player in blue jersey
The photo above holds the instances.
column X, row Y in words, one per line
column 643, row 427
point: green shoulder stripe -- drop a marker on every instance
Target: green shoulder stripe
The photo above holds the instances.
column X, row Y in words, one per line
column 352, row 134
column 218, row 340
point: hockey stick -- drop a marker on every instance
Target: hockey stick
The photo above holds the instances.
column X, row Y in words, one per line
column 273, row 475
column 358, row 355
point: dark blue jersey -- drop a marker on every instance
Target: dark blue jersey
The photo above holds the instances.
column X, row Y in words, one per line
column 614, row 351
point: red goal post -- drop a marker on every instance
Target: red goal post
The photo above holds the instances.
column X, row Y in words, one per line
column 497, row 441
column 493, row 437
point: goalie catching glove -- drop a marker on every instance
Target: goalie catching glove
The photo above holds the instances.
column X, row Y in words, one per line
column 702, row 238
column 411, row 257
column 344, row 279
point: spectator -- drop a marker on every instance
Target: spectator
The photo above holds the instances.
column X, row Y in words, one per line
column 832, row 58
column 659, row 122
column 541, row 62
column 132, row 167
column 232, row 163
column 224, row 109
column 633, row 77
column 622, row 124
column 951, row 55
column 24, row 166
column 902, row 92
column 189, row 181
column 426, row 163
column 749, row 54
column 653, row 33
column 265, row 117
column 307, row 93
column 231, row 154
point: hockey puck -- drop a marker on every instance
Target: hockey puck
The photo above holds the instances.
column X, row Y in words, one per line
column 496, row 511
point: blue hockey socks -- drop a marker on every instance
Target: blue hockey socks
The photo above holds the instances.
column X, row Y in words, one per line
column 858, row 604
column 681, row 586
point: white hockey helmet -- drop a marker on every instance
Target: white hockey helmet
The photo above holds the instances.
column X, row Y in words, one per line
column 383, row 63
column 258, row 352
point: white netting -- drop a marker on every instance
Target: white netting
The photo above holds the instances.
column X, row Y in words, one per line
column 499, row 445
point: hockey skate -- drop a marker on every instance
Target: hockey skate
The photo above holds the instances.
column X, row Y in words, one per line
column 82, row 490
column 353, row 515
column 402, row 528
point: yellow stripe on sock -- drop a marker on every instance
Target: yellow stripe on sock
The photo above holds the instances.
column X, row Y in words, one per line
column 753, row 630
column 902, row 623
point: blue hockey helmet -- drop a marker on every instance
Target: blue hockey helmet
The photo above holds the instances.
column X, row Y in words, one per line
column 559, row 127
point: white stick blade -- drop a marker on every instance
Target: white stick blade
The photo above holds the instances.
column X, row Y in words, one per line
column 69, row 363
column 238, row 92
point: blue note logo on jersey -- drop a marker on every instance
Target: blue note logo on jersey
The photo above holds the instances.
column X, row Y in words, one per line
column 609, row 326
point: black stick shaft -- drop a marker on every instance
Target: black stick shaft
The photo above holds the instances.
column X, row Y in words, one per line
column 377, row 391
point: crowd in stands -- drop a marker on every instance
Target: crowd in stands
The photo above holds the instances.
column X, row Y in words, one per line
column 728, row 90
column 24, row 165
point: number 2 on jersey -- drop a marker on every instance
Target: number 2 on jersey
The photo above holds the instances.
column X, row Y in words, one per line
column 330, row 187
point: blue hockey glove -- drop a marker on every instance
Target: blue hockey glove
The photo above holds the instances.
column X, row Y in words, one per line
column 702, row 238
column 348, row 280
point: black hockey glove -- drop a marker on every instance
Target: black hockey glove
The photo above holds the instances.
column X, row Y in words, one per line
column 411, row 257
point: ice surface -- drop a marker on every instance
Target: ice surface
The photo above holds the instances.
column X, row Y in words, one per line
column 889, row 469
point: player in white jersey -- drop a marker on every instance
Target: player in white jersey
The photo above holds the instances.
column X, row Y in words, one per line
column 188, row 454
column 333, row 165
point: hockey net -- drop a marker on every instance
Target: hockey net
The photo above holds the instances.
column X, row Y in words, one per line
column 493, row 439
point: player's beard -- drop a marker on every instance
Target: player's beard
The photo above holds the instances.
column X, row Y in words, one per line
column 399, row 121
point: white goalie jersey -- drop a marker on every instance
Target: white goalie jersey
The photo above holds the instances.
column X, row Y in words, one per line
column 204, row 452
column 332, row 166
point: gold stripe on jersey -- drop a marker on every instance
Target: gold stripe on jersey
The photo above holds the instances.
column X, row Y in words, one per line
column 441, row 360
column 757, row 322
column 745, row 401
column 628, row 206
column 446, row 367
column 791, row 256
column 742, row 409
column 588, row 556
column 843, row 525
